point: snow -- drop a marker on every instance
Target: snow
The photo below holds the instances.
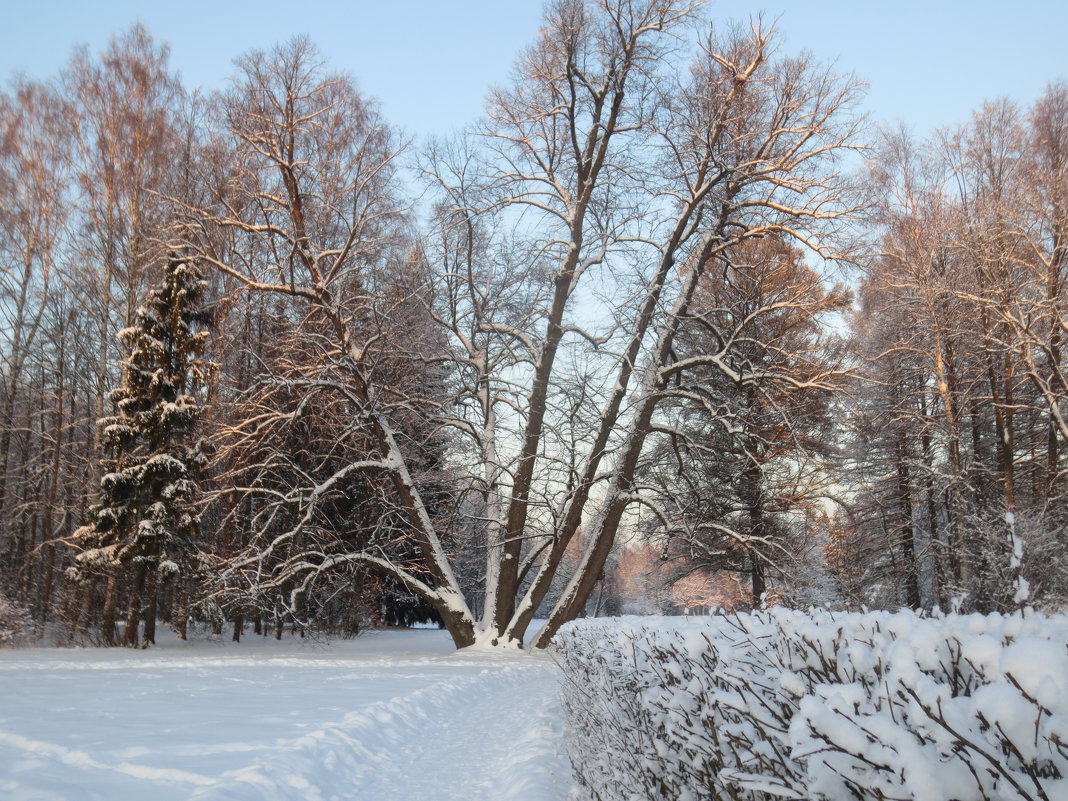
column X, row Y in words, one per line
column 390, row 715
column 819, row 705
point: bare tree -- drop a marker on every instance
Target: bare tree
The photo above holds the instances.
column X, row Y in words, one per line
column 746, row 446
column 307, row 215
column 34, row 214
column 571, row 238
column 126, row 103
column 962, row 324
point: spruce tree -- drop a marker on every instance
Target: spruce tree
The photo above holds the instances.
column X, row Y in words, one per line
column 143, row 530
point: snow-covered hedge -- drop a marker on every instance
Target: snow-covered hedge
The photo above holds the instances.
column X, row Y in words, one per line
column 818, row 705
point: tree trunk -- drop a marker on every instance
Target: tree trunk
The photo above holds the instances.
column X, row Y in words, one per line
column 109, row 614
column 134, row 611
column 906, row 536
column 181, row 612
column 759, row 583
column 151, row 603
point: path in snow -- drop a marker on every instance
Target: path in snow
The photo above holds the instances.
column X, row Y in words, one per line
column 389, row 716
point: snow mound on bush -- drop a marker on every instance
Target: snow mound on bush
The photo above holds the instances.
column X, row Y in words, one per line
column 819, row 705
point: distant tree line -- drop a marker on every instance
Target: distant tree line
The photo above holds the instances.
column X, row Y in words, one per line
column 959, row 418
column 243, row 378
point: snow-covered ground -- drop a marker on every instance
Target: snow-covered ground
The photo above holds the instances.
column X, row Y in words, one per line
column 391, row 715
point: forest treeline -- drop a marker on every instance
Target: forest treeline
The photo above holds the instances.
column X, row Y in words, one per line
column 264, row 361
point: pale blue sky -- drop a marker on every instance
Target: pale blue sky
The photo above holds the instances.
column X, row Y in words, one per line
column 429, row 62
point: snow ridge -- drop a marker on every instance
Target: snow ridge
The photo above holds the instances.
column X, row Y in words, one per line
column 58, row 754
column 410, row 741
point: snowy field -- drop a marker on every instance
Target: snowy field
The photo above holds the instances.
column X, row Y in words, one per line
column 391, row 715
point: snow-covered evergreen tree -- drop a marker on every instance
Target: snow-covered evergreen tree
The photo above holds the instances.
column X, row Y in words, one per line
column 142, row 532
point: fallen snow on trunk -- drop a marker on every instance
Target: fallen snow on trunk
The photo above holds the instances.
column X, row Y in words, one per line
column 394, row 715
